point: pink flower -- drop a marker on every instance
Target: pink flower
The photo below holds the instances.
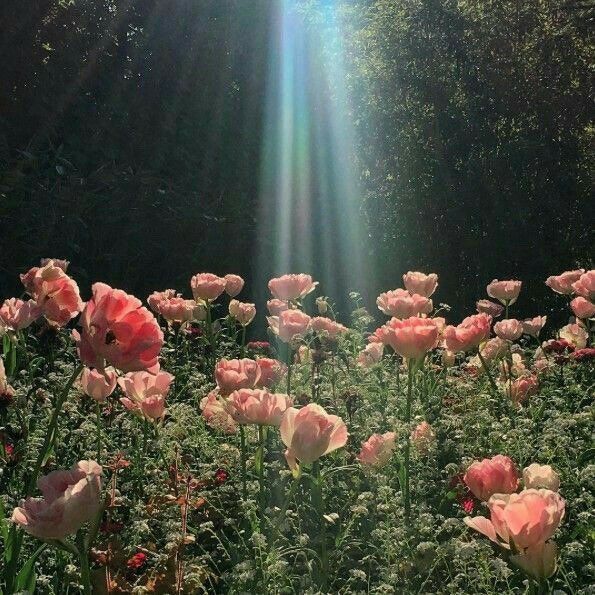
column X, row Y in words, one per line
column 116, row 328
column 327, row 327
column 207, row 287
column 523, row 387
column 506, row 292
column 145, row 393
column 491, row 308
column 179, row 310
column 422, row 437
column 98, row 385
column 469, row 334
column 275, row 307
column 214, row 412
column 289, row 324
column 270, row 372
column 6, row 390
column 585, row 286
column 563, row 283
column 494, row 349
column 541, row 476
column 59, row 262
column 15, row 314
column 497, row 475
column 292, row 287
column 309, row 433
column 411, row 338
column 243, row 312
column 377, row 449
column 158, row 297
column 70, row 499
column 575, row 334
column 257, row 406
column 584, row 355
column 421, row 284
column 582, row 307
column 370, row 355
column 233, row 285
column 401, row 304
column 533, row 326
column 234, row 374
column 510, row 329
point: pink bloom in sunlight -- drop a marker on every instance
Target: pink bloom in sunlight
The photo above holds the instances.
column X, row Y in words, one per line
column 585, row 286
column 289, row 324
column 510, row 329
column 411, row 338
column 575, row 334
column 178, row 310
column 271, row 371
column 522, row 388
column 533, row 326
column 469, row 334
column 233, row 285
column 15, row 314
column 538, row 476
column 69, row 500
column 98, row 385
column 214, row 412
column 309, row 433
column 497, row 475
column 491, row 308
column 582, row 307
column 420, row 283
column 506, row 292
column 377, row 450
column 207, row 287
column 275, row 307
column 327, row 327
column 145, row 393
column 401, row 304
column 493, row 349
column 525, row 521
column 243, row 312
column 563, row 283
column 257, row 406
column 422, row 437
column 292, row 287
column 370, row 355
column 234, row 374
column 116, row 328
column 158, row 297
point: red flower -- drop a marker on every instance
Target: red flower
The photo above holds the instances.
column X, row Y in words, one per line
column 256, row 345
column 137, row 561
column 584, row 355
column 221, row 476
column 558, row 346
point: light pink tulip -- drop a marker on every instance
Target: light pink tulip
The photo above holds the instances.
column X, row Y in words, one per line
column 533, row 326
column 116, row 328
column 575, row 334
column 15, row 314
column 411, row 338
column 541, row 476
column 401, row 304
column 523, row 387
column 292, row 287
column 309, row 433
column 491, row 308
column 510, row 329
column 98, row 385
column 377, row 449
column 327, row 327
column 370, row 355
column 158, row 297
column 289, row 324
column 469, row 334
column 243, row 312
column 582, row 307
column 563, row 283
column 275, row 307
column 497, row 475
column 585, row 286
column 233, row 285
column 178, row 310
column 506, row 292
column 493, row 349
column 70, row 499
column 422, row 437
column 207, row 287
column 270, row 372
column 420, row 283
column 234, row 374
column 257, row 406
column 214, row 412
column 145, row 393
column 539, row 560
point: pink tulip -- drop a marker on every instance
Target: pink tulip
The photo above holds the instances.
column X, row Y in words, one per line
column 207, row 287
column 214, row 412
column 234, row 374
column 582, row 307
column 233, row 285
column 98, row 385
column 575, row 334
column 422, row 437
column 292, row 287
column 491, row 308
column 289, row 324
column 257, row 406
column 275, row 307
column 116, row 328
column 5, row 389
column 585, row 286
column 497, row 475
column 377, row 449
column 533, row 326
column 494, row 349
column 523, row 387
column 309, row 433
column 563, row 283
column 70, row 499
column 327, row 327
column 370, row 355
column 411, row 338
column 506, row 292
column 270, row 372
column 243, row 312
column 401, row 304
column 178, row 310
column 541, row 476
column 145, row 393
column 59, row 262
column 509, row 329
column 15, row 314
column 158, row 297
column 469, row 334
column 421, row 284
column 512, row 367
column 538, row 561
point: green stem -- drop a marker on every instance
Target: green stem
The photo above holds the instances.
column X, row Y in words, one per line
column 406, row 491
column 210, row 335
column 289, row 358
column 243, row 342
column 98, row 408
column 84, row 562
column 261, row 498
column 319, row 503
column 294, row 485
column 243, row 461
column 488, row 374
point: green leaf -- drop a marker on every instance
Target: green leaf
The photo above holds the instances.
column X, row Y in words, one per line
column 27, row 578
